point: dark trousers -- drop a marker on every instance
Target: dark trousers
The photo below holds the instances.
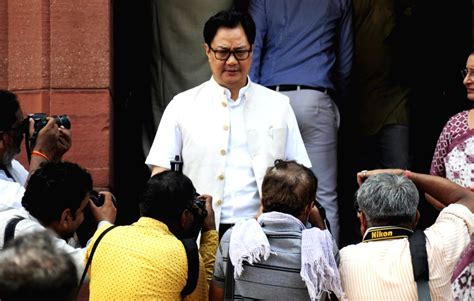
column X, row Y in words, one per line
column 387, row 149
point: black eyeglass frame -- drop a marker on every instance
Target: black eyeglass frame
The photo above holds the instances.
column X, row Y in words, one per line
column 231, row 52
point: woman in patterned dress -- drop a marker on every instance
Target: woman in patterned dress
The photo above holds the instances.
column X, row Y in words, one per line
column 454, row 159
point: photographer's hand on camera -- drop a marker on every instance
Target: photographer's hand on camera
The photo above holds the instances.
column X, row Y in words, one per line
column 106, row 212
column 209, row 222
column 52, row 140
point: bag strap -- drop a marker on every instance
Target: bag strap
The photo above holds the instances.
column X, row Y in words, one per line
column 10, row 229
column 229, row 279
column 192, row 253
column 419, row 261
column 94, row 247
column 322, row 213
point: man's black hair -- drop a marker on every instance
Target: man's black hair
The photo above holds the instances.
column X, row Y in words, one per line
column 166, row 196
column 229, row 19
column 9, row 106
column 54, row 187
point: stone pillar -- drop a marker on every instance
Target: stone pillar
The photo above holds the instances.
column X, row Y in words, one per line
column 56, row 55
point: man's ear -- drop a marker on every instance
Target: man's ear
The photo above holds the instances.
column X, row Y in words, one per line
column 363, row 222
column 186, row 219
column 207, row 49
column 66, row 217
column 417, row 219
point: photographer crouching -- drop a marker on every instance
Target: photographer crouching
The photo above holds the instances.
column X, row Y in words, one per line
column 157, row 258
column 51, row 141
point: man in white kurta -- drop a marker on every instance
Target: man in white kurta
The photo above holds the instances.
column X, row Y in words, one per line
column 228, row 130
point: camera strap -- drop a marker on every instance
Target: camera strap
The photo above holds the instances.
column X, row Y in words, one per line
column 89, row 260
column 29, row 141
column 10, row 229
column 192, row 255
column 419, row 256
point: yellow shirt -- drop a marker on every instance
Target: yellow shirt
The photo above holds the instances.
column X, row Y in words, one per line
column 145, row 261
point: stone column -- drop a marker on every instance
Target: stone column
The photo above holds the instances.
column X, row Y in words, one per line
column 56, row 55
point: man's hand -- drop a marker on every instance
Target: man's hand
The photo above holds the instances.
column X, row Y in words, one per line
column 64, row 142
column 364, row 174
column 315, row 218
column 106, row 212
column 209, row 222
column 53, row 141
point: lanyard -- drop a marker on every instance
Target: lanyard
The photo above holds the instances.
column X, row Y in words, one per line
column 387, row 232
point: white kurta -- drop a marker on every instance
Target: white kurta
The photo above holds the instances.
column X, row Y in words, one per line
column 196, row 125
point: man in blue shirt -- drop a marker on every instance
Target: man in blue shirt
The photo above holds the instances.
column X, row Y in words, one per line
column 304, row 49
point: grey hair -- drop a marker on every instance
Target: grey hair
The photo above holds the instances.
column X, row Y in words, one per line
column 33, row 268
column 388, row 199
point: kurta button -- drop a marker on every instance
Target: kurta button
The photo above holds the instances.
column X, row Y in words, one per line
column 221, row 177
column 219, row 202
column 226, row 127
column 224, row 104
column 223, row 152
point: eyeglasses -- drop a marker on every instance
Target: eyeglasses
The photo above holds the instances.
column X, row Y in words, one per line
column 467, row 72
column 224, row 54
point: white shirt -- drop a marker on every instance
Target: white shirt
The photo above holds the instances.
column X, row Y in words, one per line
column 240, row 185
column 382, row 270
column 227, row 146
column 30, row 224
column 12, row 190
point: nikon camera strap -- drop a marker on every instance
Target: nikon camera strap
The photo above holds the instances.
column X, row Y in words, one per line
column 419, row 257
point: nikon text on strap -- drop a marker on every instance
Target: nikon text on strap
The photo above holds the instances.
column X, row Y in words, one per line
column 389, row 232
column 419, row 257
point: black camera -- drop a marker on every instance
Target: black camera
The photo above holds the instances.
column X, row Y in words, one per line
column 198, row 208
column 97, row 198
column 41, row 119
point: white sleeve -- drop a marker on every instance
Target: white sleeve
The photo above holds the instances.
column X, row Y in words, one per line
column 11, row 194
column 168, row 140
column 78, row 254
column 295, row 149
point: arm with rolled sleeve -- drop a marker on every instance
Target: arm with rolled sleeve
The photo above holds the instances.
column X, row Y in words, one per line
column 207, row 251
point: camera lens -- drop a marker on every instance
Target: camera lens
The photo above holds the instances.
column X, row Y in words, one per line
column 63, row 120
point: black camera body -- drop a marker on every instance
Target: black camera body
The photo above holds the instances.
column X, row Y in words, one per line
column 41, row 119
column 97, row 198
column 198, row 208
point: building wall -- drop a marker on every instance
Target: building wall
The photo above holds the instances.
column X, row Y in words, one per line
column 56, row 56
